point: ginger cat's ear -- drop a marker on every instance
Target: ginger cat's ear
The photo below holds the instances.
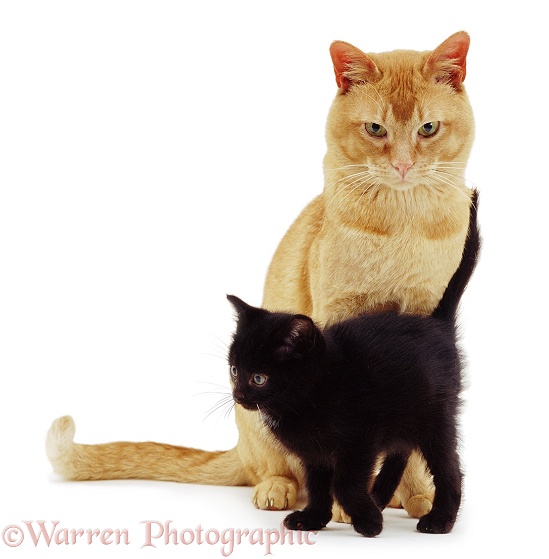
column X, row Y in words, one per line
column 351, row 65
column 447, row 63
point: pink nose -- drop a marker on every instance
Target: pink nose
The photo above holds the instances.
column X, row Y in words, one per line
column 402, row 167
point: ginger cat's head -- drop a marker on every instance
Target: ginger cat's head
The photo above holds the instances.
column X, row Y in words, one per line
column 401, row 121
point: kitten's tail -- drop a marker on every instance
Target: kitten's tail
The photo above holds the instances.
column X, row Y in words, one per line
column 146, row 460
column 448, row 305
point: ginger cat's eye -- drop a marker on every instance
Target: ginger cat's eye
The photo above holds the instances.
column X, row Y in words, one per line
column 234, row 371
column 375, row 129
column 259, row 380
column 429, row 129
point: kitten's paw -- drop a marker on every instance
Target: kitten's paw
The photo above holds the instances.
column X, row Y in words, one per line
column 369, row 526
column 435, row 524
column 301, row 520
column 339, row 515
column 275, row 493
column 418, row 506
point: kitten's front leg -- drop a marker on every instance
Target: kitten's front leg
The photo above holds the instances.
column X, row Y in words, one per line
column 351, row 481
column 318, row 511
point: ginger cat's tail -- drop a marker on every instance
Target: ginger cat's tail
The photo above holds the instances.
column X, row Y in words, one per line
column 145, row 460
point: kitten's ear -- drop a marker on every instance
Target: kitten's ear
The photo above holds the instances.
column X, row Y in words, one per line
column 240, row 306
column 297, row 338
column 447, row 63
column 351, row 65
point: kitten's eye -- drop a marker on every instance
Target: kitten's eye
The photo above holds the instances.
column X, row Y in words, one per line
column 429, row 129
column 234, row 371
column 375, row 129
column 259, row 380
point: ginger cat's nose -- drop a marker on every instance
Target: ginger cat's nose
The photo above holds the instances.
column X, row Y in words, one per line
column 402, row 167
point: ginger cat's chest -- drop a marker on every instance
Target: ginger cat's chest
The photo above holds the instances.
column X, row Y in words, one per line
column 354, row 271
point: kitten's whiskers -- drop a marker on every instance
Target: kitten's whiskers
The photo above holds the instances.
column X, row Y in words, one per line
column 226, row 401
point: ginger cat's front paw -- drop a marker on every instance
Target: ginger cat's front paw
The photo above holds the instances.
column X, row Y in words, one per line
column 339, row 515
column 275, row 493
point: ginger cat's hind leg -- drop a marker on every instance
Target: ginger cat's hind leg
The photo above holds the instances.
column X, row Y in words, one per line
column 415, row 492
column 339, row 515
column 395, row 503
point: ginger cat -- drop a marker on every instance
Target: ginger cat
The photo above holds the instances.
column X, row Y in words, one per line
column 386, row 233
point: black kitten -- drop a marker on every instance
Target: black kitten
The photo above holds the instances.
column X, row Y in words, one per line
column 379, row 385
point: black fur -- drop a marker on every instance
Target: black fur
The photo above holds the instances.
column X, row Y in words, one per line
column 383, row 384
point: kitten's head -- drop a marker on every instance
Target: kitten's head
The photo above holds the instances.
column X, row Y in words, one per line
column 401, row 119
column 272, row 357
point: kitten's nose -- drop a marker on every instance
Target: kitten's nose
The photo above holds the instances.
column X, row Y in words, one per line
column 238, row 396
column 402, row 167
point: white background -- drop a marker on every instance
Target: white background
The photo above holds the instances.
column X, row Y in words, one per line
column 152, row 154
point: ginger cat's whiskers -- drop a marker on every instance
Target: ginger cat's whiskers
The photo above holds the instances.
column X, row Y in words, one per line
column 339, row 200
column 372, row 186
column 450, row 180
column 344, row 167
column 461, row 164
column 359, row 180
column 347, row 179
column 352, row 183
column 455, row 170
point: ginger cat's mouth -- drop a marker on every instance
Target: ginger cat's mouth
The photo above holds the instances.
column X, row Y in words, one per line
column 402, row 184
